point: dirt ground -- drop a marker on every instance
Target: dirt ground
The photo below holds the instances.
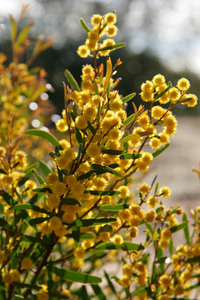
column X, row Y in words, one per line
column 174, row 166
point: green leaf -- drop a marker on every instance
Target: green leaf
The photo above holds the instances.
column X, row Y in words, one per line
column 129, row 138
column 37, row 221
column 171, row 246
column 112, row 152
column 185, row 100
column 93, row 131
column 42, row 190
column 9, row 199
column 87, row 175
column 44, row 134
column 163, row 92
column 13, row 27
column 37, row 93
column 93, row 222
column 161, row 260
column 116, row 46
column 5, row 225
column 192, row 260
column 98, row 292
column 24, row 33
column 130, row 156
column 148, row 226
column 3, row 172
column 105, row 169
column 115, row 207
column 72, row 81
column 124, row 246
column 31, row 207
column 128, row 97
column 129, row 119
column 186, row 229
column 76, row 276
column 78, row 136
column 84, row 25
column 25, row 285
column 178, row 227
column 70, row 201
column 102, row 193
column 44, row 168
column 39, row 178
column 110, row 283
column 159, row 151
column 139, row 290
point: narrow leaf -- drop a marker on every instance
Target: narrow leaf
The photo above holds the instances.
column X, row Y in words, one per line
column 129, row 138
column 115, row 207
column 24, row 33
column 44, row 168
column 13, row 27
column 44, row 134
column 116, row 46
column 93, row 131
column 129, row 119
column 102, row 193
column 124, row 246
column 98, row 292
column 37, row 221
column 186, row 229
column 111, row 151
column 178, row 227
column 159, row 151
column 72, row 81
column 84, row 25
column 76, row 276
column 110, row 283
column 36, row 94
column 128, row 97
column 93, row 222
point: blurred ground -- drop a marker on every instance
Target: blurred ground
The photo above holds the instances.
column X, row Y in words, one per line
column 174, row 166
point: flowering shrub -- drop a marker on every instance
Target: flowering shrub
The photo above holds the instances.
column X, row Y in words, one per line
column 64, row 228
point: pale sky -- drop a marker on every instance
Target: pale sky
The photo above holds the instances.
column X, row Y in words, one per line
column 170, row 29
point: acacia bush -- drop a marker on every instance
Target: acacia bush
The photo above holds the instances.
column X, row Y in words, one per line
column 68, row 220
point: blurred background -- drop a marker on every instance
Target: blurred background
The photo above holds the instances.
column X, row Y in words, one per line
column 162, row 36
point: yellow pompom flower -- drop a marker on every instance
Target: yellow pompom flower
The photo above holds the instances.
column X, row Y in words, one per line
column 166, row 234
column 192, row 102
column 164, row 280
column 125, row 192
column 60, row 231
column 55, row 223
column 144, row 121
column 150, row 215
column 164, row 138
column 111, row 31
column 183, row 84
column 165, row 192
column 79, row 252
column 83, row 51
column 118, row 239
column 96, row 19
column 163, row 244
column 147, row 86
column 144, row 188
column 155, row 143
column 81, row 122
column 158, row 80
column 133, row 232
column 125, row 280
column 174, row 94
column 106, row 43
column 110, row 18
column 147, row 96
column 152, row 201
column 58, row 188
column 61, row 125
column 26, row 263
column 104, row 236
column 157, row 112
